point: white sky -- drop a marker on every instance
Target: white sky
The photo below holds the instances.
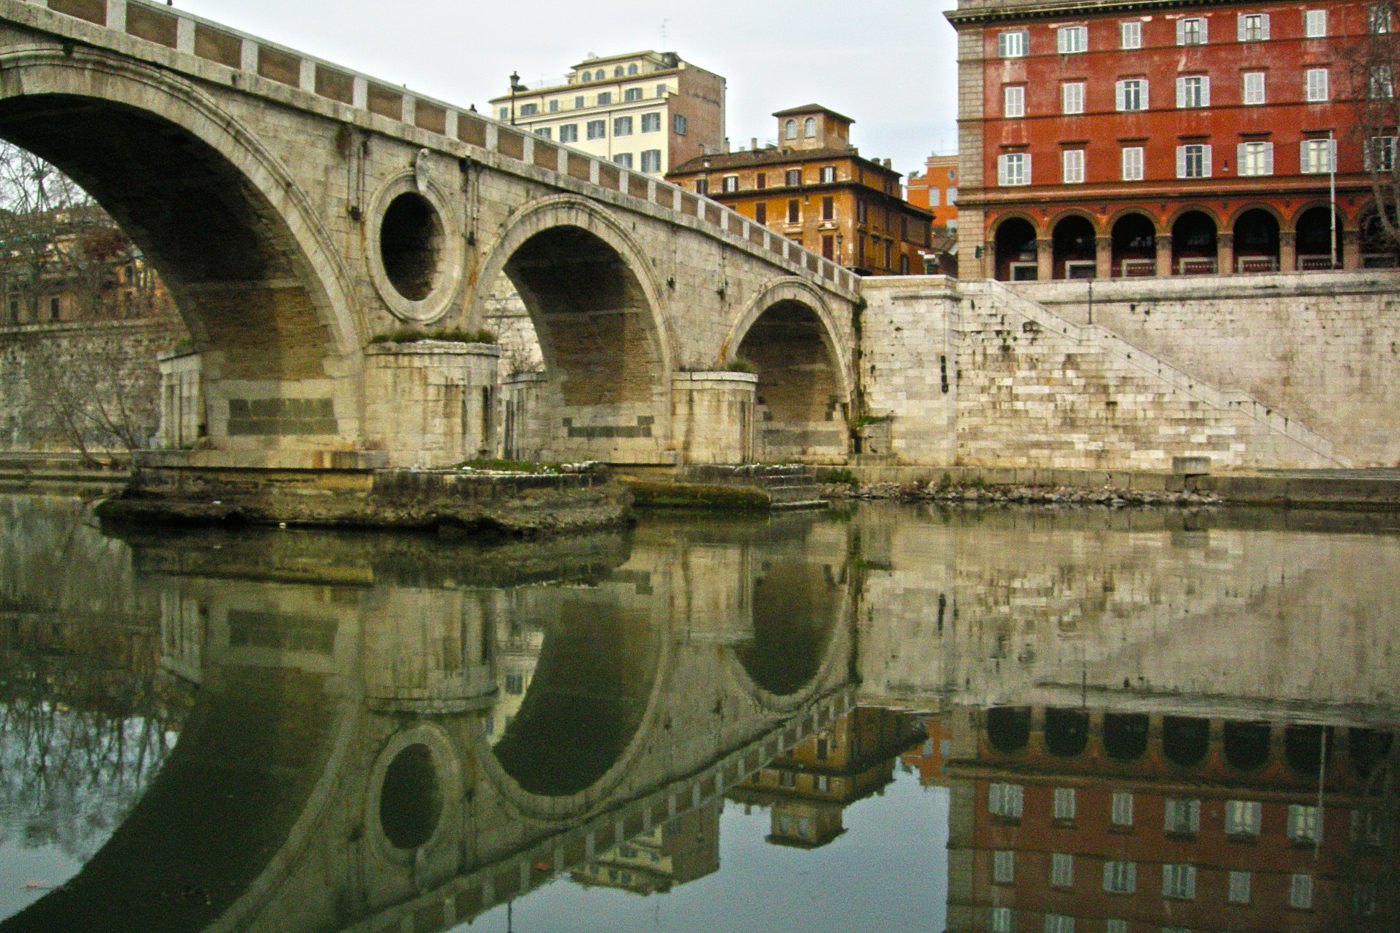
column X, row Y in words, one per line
column 889, row 65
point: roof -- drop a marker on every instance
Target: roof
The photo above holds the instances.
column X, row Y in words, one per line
column 811, row 108
column 773, row 156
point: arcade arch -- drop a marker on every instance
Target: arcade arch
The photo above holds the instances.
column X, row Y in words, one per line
column 1015, row 250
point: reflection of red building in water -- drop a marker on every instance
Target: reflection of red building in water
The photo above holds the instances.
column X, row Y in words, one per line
column 1162, row 138
column 810, row 786
column 1126, row 823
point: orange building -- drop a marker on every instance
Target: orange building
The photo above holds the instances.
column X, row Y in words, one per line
column 936, row 190
column 816, row 189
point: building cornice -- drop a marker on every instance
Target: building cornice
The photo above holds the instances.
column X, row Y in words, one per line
column 996, row 11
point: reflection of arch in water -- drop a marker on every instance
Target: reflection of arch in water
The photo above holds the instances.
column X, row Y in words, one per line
column 1125, row 735
column 593, row 689
column 796, row 605
column 1009, row 727
column 1185, row 739
column 1368, row 748
column 1303, row 747
column 1246, row 744
column 1066, row 731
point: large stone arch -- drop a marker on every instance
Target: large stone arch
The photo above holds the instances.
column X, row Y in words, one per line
column 239, row 244
column 602, row 324
column 788, row 328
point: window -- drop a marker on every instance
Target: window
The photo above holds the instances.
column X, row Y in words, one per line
column 1381, row 85
column 1255, row 158
column 618, row 72
column 1252, row 27
column 568, row 133
column 1115, row 925
column 604, row 98
column 794, row 212
column 544, row 132
column 1014, row 168
column 651, row 160
column 792, row 177
column 1062, row 870
column 1072, row 97
column 1132, row 171
column 632, row 93
column 1179, row 881
column 597, row 129
column 1012, row 44
column 809, row 127
column 661, row 90
column 1130, row 34
column 1063, row 807
column 622, row 126
column 529, row 110
column 1120, row 877
column 828, row 208
column 860, row 212
column 578, row 102
column 790, row 129
column 623, row 159
column 1191, row 31
column 952, row 196
column 1183, row 815
column 760, row 212
column 678, row 124
column 1252, row 87
column 1005, row 799
column 1071, row 39
column 1013, row 100
column 761, row 180
column 651, row 123
column 631, row 69
column 1131, row 94
column 1315, row 85
column 1300, row 891
column 1192, row 161
column 1379, row 153
column 1193, row 91
column 1379, row 19
column 1238, row 887
column 1314, row 24
column 505, row 113
column 1058, row 923
column 1122, row 807
column 702, row 186
column 730, row 183
column 1314, row 158
column 554, row 106
column 1003, row 867
column 1002, row 920
column 1242, row 816
column 827, row 173
column 1303, row 819
column 1071, row 173
column 515, row 684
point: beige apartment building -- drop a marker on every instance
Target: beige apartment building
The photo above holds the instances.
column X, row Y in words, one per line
column 645, row 111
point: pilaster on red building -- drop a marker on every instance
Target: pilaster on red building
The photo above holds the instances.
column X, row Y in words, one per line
column 1161, row 137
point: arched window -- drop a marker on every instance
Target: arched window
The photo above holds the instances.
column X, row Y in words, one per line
column 618, row 72
column 809, row 127
column 631, row 69
column 790, row 129
column 599, row 75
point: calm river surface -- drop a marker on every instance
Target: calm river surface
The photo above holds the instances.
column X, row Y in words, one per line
column 880, row 718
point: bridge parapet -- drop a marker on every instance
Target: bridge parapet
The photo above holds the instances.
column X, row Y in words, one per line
column 209, row 51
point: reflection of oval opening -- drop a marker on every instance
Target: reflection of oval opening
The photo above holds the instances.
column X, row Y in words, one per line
column 1125, row 735
column 1066, row 731
column 1184, row 739
column 794, row 605
column 410, row 239
column 410, row 802
column 1009, row 727
column 1246, row 744
column 1368, row 749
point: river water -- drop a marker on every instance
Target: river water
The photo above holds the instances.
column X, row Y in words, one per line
column 883, row 717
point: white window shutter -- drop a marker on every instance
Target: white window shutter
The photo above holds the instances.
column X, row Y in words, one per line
column 1180, row 93
column 1026, row 179
column 1240, row 150
column 1303, row 155
column 1180, row 161
column 1206, row 163
column 1001, row 170
column 1118, row 95
column 1205, row 91
column 1268, row 158
column 1240, row 27
column 1180, row 31
column 1143, row 104
column 1264, row 26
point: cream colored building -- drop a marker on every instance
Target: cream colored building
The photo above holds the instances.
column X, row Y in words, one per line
column 645, row 111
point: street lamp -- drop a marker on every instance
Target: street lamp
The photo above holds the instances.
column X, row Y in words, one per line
column 515, row 85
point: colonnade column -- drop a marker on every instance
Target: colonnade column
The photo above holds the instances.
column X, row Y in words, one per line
column 1044, row 259
column 1225, row 254
column 1288, row 251
column 1103, row 257
column 1164, row 254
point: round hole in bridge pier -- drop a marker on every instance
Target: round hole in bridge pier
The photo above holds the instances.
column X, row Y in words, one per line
column 410, row 802
column 410, row 243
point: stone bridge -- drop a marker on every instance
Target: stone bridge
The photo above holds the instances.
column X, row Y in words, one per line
column 302, row 213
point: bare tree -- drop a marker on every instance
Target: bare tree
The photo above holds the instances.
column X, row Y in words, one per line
column 1374, row 64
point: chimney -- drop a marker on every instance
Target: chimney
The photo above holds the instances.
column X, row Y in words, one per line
column 887, row 163
column 753, row 143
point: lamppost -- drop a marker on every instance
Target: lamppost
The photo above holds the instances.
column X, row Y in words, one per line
column 515, row 85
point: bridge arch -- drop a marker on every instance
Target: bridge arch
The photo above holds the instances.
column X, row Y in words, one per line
column 788, row 333
column 601, row 321
column 236, row 240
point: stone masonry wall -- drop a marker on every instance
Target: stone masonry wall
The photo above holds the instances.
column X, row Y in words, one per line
column 1323, row 348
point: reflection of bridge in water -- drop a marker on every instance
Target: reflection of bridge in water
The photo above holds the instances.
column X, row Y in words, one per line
column 398, row 733
column 337, row 772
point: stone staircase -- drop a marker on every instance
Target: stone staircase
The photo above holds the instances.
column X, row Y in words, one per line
column 787, row 485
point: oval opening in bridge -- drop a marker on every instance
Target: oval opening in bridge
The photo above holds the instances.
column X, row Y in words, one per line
column 410, row 243
column 410, row 802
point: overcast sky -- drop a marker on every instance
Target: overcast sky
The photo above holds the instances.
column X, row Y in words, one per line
column 889, row 65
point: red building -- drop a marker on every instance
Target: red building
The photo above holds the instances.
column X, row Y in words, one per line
column 1151, row 137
